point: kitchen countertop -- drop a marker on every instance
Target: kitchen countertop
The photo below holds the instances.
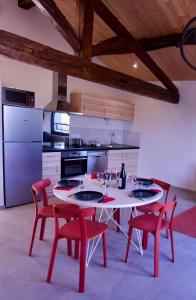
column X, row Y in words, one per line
column 59, row 147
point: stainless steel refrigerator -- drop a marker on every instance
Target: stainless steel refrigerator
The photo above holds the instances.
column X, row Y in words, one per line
column 22, row 152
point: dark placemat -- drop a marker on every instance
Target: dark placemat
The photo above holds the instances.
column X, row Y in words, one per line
column 141, row 193
column 69, row 182
column 89, row 196
column 145, row 181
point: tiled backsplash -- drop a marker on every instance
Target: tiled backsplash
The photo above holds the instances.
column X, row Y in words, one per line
column 97, row 130
column 131, row 138
column 94, row 135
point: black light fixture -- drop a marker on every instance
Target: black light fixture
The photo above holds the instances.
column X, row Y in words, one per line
column 188, row 38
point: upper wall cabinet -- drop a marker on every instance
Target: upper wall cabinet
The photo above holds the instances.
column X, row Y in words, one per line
column 91, row 105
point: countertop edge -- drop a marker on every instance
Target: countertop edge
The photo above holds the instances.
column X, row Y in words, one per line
column 50, row 149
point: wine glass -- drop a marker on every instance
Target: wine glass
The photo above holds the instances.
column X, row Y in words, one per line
column 133, row 180
column 107, row 175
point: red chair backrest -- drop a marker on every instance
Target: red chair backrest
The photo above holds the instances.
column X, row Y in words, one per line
column 164, row 185
column 73, row 213
column 162, row 209
column 40, row 187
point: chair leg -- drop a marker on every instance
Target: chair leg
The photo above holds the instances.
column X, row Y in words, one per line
column 132, row 212
column 52, row 257
column 82, row 267
column 76, row 250
column 69, row 247
column 69, row 244
column 156, row 255
column 145, row 240
column 94, row 216
column 114, row 214
column 128, row 243
column 43, row 222
column 167, row 231
column 104, row 250
column 33, row 235
column 172, row 244
column 118, row 219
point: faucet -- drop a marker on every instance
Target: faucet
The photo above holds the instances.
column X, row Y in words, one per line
column 112, row 138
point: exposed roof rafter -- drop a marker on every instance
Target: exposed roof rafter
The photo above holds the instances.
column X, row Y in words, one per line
column 55, row 16
column 25, row 4
column 119, row 45
column 86, row 16
column 111, row 20
column 28, row 51
column 84, row 48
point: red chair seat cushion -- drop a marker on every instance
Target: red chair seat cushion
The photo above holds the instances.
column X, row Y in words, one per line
column 47, row 211
column 71, row 230
column 147, row 223
column 146, row 209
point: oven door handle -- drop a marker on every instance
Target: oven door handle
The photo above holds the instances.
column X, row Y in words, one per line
column 70, row 159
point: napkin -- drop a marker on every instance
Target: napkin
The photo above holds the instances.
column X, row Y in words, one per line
column 94, row 176
column 68, row 188
column 107, row 199
column 154, row 190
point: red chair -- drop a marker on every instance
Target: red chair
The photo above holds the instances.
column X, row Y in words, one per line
column 79, row 230
column 154, row 224
column 146, row 209
column 46, row 211
column 165, row 186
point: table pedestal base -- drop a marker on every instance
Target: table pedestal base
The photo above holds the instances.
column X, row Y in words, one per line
column 105, row 216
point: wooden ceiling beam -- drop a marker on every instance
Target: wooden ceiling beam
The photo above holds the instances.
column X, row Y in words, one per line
column 119, row 44
column 111, row 20
column 56, row 18
column 25, row 4
column 86, row 19
column 28, row 51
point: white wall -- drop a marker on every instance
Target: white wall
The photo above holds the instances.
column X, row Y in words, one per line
column 1, row 152
column 19, row 75
column 30, row 24
column 168, row 137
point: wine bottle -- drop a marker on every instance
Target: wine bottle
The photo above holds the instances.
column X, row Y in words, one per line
column 122, row 178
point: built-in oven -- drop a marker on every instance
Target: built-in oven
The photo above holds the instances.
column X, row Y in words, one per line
column 73, row 163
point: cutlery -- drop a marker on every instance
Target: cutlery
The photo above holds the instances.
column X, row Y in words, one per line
column 71, row 195
column 139, row 198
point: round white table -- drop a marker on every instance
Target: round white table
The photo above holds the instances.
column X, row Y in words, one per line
column 122, row 197
column 122, row 200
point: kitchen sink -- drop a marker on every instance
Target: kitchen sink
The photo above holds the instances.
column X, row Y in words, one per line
column 114, row 145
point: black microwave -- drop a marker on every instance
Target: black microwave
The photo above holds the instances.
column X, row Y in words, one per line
column 18, row 97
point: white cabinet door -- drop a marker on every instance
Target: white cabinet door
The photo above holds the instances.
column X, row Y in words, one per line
column 127, row 156
column 51, row 168
column 115, row 159
column 99, row 106
column 131, row 161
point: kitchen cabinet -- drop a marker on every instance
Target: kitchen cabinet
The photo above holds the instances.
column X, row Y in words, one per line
column 51, row 168
column 97, row 106
column 127, row 156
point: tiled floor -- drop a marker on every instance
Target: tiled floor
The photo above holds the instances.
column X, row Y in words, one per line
column 23, row 277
